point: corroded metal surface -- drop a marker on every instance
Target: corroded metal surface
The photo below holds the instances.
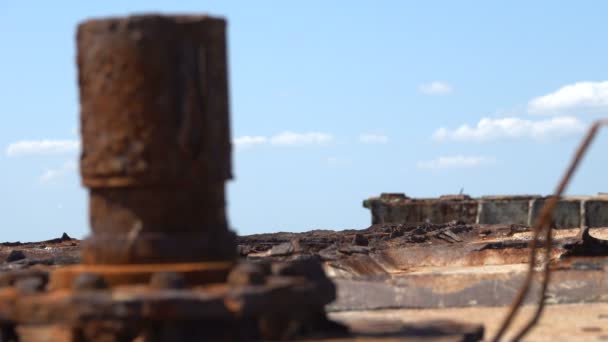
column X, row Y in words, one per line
column 446, row 287
column 398, row 208
column 580, row 322
column 194, row 273
column 155, row 138
column 154, row 101
column 569, row 211
column 433, row 266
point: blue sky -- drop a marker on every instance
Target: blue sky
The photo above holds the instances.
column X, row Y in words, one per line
column 332, row 102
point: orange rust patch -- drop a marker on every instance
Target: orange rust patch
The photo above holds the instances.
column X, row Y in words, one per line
column 195, row 273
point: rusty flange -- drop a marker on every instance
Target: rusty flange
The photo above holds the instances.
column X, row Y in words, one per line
column 259, row 301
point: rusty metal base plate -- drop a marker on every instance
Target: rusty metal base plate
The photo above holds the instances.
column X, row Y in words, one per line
column 258, row 301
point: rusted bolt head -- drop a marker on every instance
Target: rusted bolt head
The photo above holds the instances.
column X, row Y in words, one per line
column 309, row 268
column 89, row 281
column 248, row 273
column 29, row 285
column 360, row 240
column 167, row 280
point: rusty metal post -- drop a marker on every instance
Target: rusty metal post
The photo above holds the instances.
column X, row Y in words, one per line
column 155, row 139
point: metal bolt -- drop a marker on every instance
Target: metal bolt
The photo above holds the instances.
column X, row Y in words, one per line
column 248, row 274
column 167, row 280
column 30, row 284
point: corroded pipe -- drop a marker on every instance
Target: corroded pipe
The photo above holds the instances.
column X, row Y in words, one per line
column 156, row 147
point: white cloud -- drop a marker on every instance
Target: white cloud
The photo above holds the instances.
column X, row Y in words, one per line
column 458, row 161
column 373, row 138
column 308, row 138
column 50, row 175
column 286, row 138
column 42, row 147
column 435, row 88
column 488, row 129
column 249, row 141
column 576, row 96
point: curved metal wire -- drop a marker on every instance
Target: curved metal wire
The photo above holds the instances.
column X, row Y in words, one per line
column 543, row 223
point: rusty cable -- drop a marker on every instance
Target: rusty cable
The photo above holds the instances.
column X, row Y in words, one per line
column 545, row 283
column 543, row 222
